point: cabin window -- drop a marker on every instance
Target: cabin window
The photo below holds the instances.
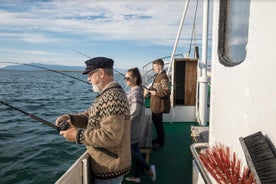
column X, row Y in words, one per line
column 233, row 31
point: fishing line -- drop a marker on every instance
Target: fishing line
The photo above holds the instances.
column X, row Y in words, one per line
column 62, row 127
column 91, row 57
column 113, row 69
column 61, row 73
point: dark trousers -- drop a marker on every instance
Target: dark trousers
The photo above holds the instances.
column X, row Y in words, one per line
column 139, row 160
column 157, row 119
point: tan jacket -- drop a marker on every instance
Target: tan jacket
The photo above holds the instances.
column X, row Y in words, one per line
column 161, row 86
column 107, row 125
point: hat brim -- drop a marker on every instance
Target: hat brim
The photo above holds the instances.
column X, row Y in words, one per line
column 87, row 70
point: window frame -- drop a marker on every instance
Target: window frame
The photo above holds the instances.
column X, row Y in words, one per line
column 223, row 35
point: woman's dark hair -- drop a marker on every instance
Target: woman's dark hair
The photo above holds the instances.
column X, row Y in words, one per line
column 136, row 73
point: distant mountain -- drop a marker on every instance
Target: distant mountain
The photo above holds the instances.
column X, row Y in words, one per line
column 39, row 66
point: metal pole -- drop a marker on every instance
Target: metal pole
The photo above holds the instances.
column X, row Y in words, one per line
column 203, row 79
column 178, row 36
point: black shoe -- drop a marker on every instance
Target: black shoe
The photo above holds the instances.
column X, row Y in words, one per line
column 156, row 145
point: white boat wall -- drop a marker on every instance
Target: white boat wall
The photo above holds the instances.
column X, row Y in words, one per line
column 243, row 96
column 243, row 83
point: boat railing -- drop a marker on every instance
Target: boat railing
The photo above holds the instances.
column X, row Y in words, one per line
column 148, row 73
column 79, row 172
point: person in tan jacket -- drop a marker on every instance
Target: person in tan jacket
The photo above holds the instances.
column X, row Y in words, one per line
column 158, row 92
column 105, row 127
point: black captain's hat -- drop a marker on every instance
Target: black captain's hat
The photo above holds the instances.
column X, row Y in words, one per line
column 97, row 62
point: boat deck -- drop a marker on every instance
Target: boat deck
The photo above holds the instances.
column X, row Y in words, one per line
column 173, row 162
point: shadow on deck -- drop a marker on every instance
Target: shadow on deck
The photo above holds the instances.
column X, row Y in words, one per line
column 173, row 162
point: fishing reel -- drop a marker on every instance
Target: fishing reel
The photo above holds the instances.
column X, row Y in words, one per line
column 64, row 126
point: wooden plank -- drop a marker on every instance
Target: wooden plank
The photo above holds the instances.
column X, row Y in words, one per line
column 190, row 82
column 185, row 71
column 146, row 141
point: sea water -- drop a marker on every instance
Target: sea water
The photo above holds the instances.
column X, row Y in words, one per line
column 31, row 152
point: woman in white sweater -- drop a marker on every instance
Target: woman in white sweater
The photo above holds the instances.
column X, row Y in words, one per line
column 137, row 115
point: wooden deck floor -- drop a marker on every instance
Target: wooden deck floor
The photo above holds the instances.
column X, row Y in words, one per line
column 173, row 162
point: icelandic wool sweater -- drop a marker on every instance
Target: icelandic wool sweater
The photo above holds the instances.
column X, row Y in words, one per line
column 137, row 113
column 106, row 125
column 161, row 86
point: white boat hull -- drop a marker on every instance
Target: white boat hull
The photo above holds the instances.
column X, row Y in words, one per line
column 78, row 173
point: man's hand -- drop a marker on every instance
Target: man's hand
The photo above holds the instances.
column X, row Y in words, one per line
column 63, row 118
column 152, row 92
column 70, row 134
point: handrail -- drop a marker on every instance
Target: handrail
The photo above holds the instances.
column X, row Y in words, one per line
column 199, row 164
column 146, row 71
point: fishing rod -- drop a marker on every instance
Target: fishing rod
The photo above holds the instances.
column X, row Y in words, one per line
column 113, row 69
column 91, row 57
column 61, row 73
column 62, row 127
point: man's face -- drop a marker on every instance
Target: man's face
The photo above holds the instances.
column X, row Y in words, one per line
column 95, row 80
column 156, row 68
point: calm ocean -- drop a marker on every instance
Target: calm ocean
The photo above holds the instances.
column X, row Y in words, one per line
column 31, row 152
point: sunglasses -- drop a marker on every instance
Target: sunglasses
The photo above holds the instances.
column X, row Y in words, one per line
column 92, row 72
column 127, row 78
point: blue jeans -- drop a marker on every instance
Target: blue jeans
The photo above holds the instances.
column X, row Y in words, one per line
column 117, row 180
column 139, row 160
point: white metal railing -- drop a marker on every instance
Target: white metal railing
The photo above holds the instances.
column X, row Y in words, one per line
column 148, row 73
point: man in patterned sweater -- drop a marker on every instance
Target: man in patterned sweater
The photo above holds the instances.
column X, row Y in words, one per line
column 105, row 127
column 159, row 91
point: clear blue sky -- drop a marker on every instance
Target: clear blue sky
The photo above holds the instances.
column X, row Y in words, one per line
column 132, row 33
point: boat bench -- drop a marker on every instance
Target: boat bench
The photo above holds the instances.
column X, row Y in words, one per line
column 199, row 134
column 146, row 141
